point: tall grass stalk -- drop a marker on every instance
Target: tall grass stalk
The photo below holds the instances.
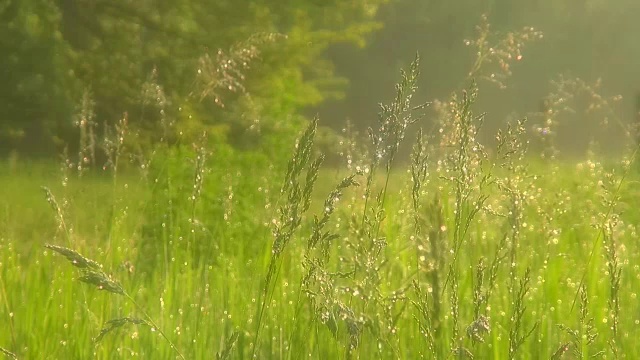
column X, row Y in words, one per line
column 91, row 273
column 296, row 195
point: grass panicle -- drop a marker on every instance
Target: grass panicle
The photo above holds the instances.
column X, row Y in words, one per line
column 8, row 354
column 228, row 347
column 91, row 273
column 224, row 71
column 517, row 332
column 297, row 199
column 582, row 338
column 115, row 324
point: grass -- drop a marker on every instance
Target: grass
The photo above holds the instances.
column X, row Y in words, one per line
column 463, row 252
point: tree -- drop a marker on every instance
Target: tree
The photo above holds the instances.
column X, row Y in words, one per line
column 62, row 48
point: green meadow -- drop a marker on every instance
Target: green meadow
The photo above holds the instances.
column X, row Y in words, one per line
column 167, row 193
column 457, row 250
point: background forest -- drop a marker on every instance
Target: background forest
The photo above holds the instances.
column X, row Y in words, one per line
column 286, row 61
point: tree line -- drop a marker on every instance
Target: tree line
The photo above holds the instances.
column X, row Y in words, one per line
column 228, row 66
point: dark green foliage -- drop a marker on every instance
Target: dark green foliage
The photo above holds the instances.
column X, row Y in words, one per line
column 37, row 94
column 232, row 62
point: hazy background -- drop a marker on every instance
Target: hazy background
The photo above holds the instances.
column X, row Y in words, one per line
column 590, row 40
column 163, row 63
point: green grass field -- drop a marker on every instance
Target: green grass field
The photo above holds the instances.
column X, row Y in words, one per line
column 456, row 254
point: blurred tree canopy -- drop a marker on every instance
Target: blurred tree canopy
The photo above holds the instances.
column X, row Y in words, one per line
column 247, row 68
column 266, row 58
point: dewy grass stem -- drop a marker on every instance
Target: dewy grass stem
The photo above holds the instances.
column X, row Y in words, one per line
column 610, row 207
